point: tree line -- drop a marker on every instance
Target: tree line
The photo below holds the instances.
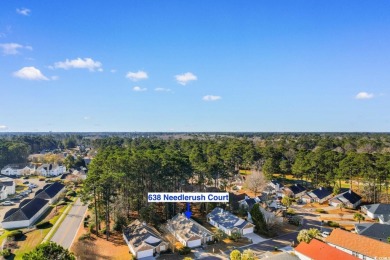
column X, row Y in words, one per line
column 125, row 169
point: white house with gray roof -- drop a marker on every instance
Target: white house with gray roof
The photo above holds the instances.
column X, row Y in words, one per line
column 228, row 222
column 17, row 169
column 188, row 232
column 51, row 169
column 143, row 240
column 378, row 211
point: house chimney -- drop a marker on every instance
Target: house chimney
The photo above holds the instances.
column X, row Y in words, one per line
column 246, row 197
column 320, row 188
column 350, row 191
column 296, row 184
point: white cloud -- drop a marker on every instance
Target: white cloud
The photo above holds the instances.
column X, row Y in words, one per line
column 79, row 63
column 139, row 89
column 364, row 95
column 30, row 73
column 162, row 89
column 183, row 79
column 23, row 11
column 211, row 98
column 3, row 127
column 54, row 77
column 135, row 76
column 113, row 71
column 13, row 48
column 86, row 118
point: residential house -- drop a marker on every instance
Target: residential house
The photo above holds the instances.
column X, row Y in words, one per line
column 360, row 246
column 26, row 215
column 17, row 170
column 50, row 170
column 317, row 250
column 349, row 199
column 143, row 240
column 319, row 195
column 188, row 232
column 3, row 192
column 276, row 186
column 269, row 217
column 51, row 192
column 80, row 173
column 248, row 203
column 228, row 222
column 377, row 211
column 9, row 184
column 384, row 219
column 373, row 230
column 87, row 161
column 295, row 191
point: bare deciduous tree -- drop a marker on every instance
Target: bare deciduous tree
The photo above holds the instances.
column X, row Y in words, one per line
column 256, row 182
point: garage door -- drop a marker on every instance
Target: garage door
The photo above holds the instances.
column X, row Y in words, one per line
column 194, row 243
column 247, row 230
column 145, row 253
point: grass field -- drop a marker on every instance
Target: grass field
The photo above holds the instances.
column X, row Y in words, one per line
column 35, row 237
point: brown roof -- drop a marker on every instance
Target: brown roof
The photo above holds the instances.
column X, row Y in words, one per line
column 360, row 244
column 317, row 250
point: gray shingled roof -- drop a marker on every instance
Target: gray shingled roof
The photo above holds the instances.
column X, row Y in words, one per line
column 187, row 228
column 7, row 183
column 321, row 192
column 381, row 209
column 26, row 212
column 297, row 188
column 374, row 230
column 137, row 233
column 349, row 196
column 226, row 219
column 50, row 191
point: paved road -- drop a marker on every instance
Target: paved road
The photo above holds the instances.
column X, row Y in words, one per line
column 68, row 228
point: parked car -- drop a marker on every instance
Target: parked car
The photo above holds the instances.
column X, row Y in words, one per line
column 325, row 234
column 19, row 197
column 7, row 203
column 26, row 182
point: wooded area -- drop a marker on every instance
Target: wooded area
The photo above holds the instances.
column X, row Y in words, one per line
column 126, row 169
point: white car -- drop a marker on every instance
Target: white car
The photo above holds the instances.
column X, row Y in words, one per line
column 325, row 234
column 7, row 203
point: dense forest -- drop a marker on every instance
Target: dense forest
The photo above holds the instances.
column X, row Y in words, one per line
column 125, row 169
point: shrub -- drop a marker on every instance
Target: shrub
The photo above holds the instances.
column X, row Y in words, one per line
column 184, row 250
column 333, row 224
column 322, row 211
column 16, row 234
column 91, row 227
column 85, row 236
column 235, row 236
column 291, row 211
column 71, row 193
column 5, row 253
column 120, row 222
column 62, row 203
column 44, row 224
column 41, row 179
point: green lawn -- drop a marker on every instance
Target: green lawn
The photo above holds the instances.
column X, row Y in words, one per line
column 34, row 238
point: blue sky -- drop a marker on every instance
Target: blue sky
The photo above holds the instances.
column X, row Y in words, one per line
column 195, row 65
